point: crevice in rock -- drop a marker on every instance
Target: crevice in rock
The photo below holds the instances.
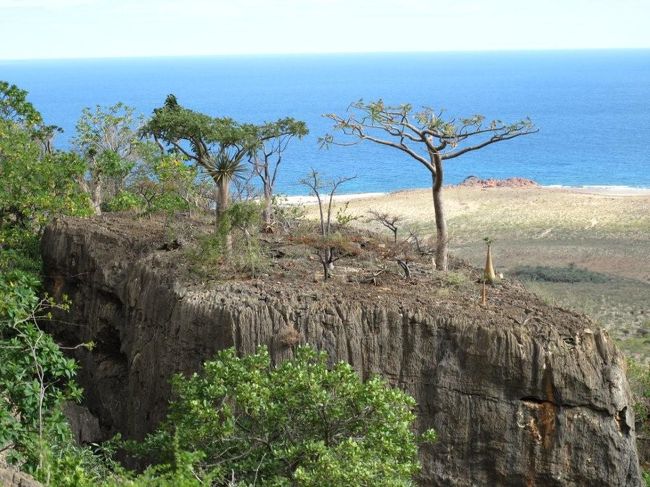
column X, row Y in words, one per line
column 536, row 401
column 621, row 419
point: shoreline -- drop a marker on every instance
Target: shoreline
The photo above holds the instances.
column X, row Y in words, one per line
column 605, row 190
column 598, row 190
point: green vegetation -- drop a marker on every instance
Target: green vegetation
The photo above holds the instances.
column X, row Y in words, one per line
column 298, row 423
column 570, row 274
column 241, row 222
column 107, row 140
column 36, row 378
column 217, row 145
column 240, row 421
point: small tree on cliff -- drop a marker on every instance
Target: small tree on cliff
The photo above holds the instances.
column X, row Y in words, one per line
column 107, row 140
column 216, row 145
column 429, row 139
column 273, row 139
column 330, row 248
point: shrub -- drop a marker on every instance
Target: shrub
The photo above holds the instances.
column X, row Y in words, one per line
column 297, row 423
column 124, row 201
column 241, row 221
column 454, row 279
column 287, row 216
column 35, row 377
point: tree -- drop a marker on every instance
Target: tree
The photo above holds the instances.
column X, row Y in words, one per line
column 244, row 421
column 387, row 220
column 107, row 139
column 427, row 138
column 35, row 184
column 35, row 377
column 489, row 275
column 15, row 108
column 326, row 245
column 159, row 182
column 273, row 137
column 216, row 145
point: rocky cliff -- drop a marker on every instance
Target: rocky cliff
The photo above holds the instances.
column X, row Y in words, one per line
column 519, row 393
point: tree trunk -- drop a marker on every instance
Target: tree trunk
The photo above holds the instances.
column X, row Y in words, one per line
column 223, row 199
column 326, row 269
column 267, row 213
column 441, row 224
column 96, row 196
column 330, row 259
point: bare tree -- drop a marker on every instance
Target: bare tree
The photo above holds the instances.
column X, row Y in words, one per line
column 420, row 246
column 273, row 139
column 387, row 220
column 327, row 247
column 429, row 139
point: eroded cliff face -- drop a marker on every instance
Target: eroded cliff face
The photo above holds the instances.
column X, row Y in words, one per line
column 519, row 394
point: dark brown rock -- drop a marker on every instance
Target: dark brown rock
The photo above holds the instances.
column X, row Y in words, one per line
column 84, row 425
column 522, row 394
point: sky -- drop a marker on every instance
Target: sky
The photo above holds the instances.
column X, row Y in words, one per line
column 52, row 29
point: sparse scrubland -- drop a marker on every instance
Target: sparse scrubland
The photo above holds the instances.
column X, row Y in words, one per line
column 580, row 249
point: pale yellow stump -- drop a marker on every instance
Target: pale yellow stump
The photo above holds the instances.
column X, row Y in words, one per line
column 488, row 274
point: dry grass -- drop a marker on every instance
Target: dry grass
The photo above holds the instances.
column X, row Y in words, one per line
column 552, row 227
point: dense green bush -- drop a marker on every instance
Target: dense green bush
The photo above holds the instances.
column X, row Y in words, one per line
column 124, row 201
column 297, row 423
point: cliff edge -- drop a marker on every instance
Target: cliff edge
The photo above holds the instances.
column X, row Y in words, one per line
column 520, row 393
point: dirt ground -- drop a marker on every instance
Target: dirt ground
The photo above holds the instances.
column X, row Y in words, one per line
column 602, row 230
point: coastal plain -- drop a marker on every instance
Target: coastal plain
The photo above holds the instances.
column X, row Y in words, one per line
column 586, row 249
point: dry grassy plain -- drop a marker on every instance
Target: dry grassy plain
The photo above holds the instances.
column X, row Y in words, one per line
column 602, row 231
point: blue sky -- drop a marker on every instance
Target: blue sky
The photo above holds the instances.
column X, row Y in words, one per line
column 115, row 28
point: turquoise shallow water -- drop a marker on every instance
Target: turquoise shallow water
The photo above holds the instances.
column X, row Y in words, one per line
column 592, row 107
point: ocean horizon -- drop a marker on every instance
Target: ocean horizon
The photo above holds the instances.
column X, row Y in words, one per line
column 591, row 107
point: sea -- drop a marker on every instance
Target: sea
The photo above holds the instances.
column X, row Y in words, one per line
column 592, row 107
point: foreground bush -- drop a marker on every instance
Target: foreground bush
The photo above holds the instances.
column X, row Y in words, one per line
column 298, row 423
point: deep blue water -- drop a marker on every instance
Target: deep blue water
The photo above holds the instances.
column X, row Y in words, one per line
column 592, row 107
